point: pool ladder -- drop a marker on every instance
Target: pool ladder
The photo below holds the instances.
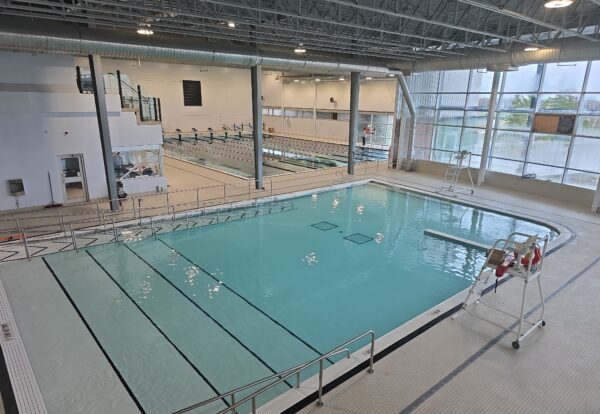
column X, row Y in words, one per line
column 282, row 376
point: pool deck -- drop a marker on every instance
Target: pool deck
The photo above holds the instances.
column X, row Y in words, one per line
column 458, row 365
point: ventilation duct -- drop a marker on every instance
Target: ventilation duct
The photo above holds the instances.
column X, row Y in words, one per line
column 567, row 50
column 73, row 46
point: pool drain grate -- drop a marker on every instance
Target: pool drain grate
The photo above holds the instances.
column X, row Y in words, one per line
column 324, row 225
column 358, row 238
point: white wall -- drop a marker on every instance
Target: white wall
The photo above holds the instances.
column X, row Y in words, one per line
column 226, row 92
column 374, row 96
column 43, row 115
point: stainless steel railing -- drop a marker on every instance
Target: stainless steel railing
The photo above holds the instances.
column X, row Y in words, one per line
column 283, row 376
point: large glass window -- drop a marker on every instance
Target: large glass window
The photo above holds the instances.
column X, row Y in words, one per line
column 452, row 115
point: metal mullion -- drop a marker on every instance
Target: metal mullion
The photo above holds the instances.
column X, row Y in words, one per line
column 574, row 134
column 462, row 128
column 498, row 110
column 537, row 102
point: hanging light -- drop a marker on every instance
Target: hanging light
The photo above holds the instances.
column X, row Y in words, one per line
column 296, row 80
column 557, row 4
column 317, row 80
column 531, row 49
column 341, row 78
column 300, row 49
column 146, row 31
column 231, row 24
column 369, row 78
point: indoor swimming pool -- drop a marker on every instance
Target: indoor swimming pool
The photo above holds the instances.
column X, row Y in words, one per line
column 195, row 313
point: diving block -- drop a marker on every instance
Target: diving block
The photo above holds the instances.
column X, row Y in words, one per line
column 458, row 240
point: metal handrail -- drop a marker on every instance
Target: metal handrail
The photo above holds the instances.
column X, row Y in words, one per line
column 284, row 375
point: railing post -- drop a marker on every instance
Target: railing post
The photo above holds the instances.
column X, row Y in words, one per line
column 139, row 91
column 104, row 220
column 298, row 379
column 155, row 110
column 233, row 402
column 197, row 198
column 320, row 400
column 98, row 211
column 61, row 222
column 253, row 405
column 120, row 89
column 372, row 353
column 224, row 192
column 159, row 110
column 140, row 210
column 73, row 238
column 168, row 205
column 187, row 221
column 133, row 204
column 115, row 233
column 152, row 228
column 25, row 245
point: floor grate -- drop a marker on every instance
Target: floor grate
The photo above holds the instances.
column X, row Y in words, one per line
column 324, row 225
column 358, row 238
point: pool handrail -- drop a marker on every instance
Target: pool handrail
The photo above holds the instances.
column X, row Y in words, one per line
column 284, row 375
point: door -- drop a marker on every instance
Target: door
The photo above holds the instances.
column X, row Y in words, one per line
column 73, row 178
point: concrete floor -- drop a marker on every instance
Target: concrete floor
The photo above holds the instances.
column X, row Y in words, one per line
column 465, row 365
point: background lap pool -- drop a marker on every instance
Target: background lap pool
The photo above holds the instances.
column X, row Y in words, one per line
column 201, row 311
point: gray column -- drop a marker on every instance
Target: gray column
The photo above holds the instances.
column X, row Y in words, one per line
column 102, row 114
column 413, row 120
column 353, row 130
column 489, row 127
column 256, row 75
column 395, row 147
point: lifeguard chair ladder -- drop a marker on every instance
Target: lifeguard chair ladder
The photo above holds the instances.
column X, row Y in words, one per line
column 500, row 251
column 456, row 164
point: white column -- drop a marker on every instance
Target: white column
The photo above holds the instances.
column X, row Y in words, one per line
column 489, row 127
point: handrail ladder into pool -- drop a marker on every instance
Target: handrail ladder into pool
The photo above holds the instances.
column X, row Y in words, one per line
column 284, row 375
column 521, row 260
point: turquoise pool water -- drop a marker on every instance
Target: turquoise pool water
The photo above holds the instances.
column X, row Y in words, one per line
column 198, row 312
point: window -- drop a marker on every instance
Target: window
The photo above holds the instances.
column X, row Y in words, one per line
column 192, row 93
column 133, row 163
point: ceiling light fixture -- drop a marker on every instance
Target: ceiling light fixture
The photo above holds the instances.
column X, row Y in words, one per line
column 317, row 80
column 368, row 78
column 391, row 74
column 296, row 80
column 557, row 4
column 231, row 24
column 341, row 78
column 146, row 31
column 300, row 49
column 531, row 49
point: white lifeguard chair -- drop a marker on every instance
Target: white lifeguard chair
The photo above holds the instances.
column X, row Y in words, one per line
column 458, row 162
column 522, row 260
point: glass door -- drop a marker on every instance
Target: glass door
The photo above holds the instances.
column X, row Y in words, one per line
column 72, row 178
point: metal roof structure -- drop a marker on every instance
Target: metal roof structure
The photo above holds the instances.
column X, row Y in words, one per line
column 386, row 31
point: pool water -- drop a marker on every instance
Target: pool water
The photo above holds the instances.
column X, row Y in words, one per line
column 201, row 311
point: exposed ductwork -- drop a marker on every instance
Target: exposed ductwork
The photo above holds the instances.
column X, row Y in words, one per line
column 111, row 49
column 566, row 50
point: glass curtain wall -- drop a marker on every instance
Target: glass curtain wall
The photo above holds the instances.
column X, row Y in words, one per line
column 452, row 109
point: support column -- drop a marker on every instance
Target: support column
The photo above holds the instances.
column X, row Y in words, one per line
column 353, row 130
column 102, row 114
column 256, row 75
column 413, row 120
column 395, row 147
column 489, row 127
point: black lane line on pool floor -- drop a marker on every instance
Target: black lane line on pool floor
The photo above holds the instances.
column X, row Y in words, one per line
column 206, row 313
column 89, row 328
column 246, row 300
column 179, row 351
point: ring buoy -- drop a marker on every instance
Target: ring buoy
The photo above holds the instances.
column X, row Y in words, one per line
column 11, row 237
